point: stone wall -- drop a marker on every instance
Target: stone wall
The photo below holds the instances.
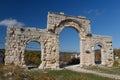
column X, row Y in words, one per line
column 105, row 43
column 18, row 37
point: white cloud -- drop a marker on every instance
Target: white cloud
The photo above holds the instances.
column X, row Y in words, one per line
column 95, row 12
column 11, row 22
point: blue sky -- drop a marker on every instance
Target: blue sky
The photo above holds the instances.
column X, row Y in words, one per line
column 104, row 16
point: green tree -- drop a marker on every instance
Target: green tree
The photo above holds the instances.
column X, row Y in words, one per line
column 117, row 52
column 98, row 55
column 32, row 58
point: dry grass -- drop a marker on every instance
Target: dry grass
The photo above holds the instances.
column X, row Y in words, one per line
column 103, row 69
column 21, row 74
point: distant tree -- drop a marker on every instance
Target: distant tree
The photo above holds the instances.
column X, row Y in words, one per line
column 32, row 58
column 74, row 61
column 66, row 58
column 98, row 55
column 117, row 52
column 2, row 51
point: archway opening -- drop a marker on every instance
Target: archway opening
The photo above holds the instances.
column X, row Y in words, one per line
column 3, row 30
column 32, row 55
column 69, row 47
column 97, row 54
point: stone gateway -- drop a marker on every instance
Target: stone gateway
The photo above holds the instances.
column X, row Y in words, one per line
column 18, row 37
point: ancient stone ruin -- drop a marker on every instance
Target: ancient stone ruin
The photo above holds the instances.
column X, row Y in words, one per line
column 18, row 37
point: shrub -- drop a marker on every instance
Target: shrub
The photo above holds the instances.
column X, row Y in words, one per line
column 74, row 61
column 32, row 58
column 116, row 63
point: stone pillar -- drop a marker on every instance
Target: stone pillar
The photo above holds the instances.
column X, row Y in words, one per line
column 93, row 56
column 43, row 62
column 103, row 57
column 57, row 64
column 23, row 57
column 82, row 52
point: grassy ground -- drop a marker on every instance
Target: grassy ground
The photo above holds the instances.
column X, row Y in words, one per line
column 21, row 74
column 68, row 75
column 105, row 69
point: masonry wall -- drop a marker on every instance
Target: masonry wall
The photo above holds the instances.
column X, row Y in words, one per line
column 18, row 37
column 105, row 43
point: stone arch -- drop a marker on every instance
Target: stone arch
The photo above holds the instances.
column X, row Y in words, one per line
column 101, row 45
column 102, row 48
column 74, row 58
column 34, row 39
column 70, row 23
column 73, row 23
column 25, row 44
column 81, row 25
column 17, row 38
column 97, row 56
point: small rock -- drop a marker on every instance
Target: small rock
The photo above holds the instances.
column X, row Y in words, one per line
column 9, row 74
column 26, row 79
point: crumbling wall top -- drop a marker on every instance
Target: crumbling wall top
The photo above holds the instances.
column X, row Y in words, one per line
column 107, row 38
column 55, row 18
column 62, row 14
column 19, row 30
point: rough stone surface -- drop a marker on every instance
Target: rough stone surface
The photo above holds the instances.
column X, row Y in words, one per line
column 18, row 37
